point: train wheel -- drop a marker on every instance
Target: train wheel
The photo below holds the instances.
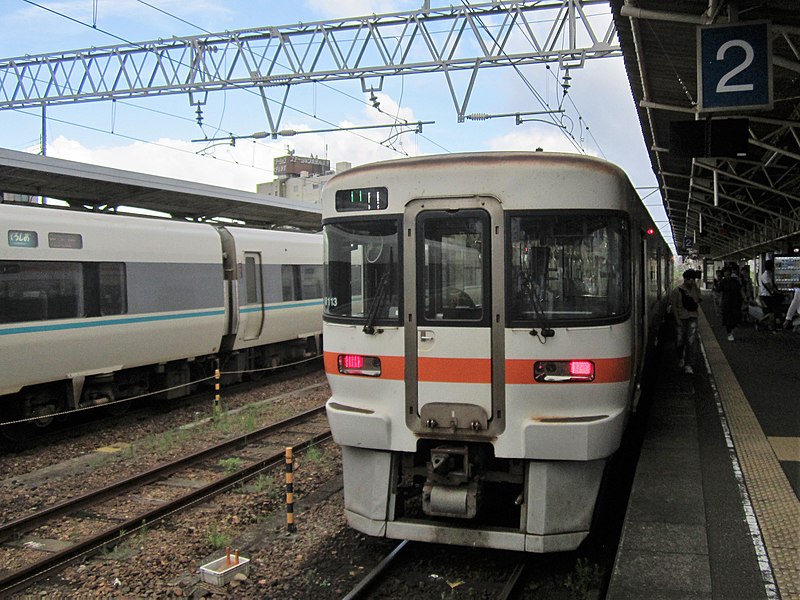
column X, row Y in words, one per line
column 41, row 406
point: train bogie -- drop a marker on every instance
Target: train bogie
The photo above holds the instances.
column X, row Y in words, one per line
column 486, row 319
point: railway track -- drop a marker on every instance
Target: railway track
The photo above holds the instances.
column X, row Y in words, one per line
column 407, row 555
column 196, row 477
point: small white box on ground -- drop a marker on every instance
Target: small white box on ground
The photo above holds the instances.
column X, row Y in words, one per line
column 220, row 572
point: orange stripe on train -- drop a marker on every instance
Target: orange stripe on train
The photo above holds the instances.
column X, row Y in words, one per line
column 606, row 370
column 478, row 370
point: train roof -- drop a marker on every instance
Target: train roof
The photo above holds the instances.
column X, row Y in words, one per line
column 492, row 157
column 94, row 186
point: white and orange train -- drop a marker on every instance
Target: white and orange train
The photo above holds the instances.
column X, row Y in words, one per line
column 486, row 321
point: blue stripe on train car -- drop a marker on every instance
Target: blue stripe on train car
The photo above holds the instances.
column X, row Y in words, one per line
column 108, row 322
column 252, row 309
column 144, row 319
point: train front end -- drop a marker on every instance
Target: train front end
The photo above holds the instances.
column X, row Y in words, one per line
column 480, row 344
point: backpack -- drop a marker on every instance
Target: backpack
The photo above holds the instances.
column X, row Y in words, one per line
column 688, row 302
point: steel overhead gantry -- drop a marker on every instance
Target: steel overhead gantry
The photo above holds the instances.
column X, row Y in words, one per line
column 456, row 39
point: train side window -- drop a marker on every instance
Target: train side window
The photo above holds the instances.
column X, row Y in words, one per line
column 40, row 290
column 251, row 281
column 301, row 282
column 288, row 280
column 310, row 281
column 45, row 290
column 113, row 289
column 104, row 289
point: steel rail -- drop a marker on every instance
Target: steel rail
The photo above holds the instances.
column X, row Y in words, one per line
column 374, row 576
column 26, row 523
column 22, row 578
column 514, row 580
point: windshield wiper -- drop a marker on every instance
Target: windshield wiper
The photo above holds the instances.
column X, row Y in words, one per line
column 546, row 332
column 377, row 306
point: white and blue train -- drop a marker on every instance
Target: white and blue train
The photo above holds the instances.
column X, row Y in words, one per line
column 486, row 320
column 99, row 307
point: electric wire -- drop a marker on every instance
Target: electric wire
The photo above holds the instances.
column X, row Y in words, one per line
column 121, row 135
column 177, row 18
column 105, row 32
column 527, row 83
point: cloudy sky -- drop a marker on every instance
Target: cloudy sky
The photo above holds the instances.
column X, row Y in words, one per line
column 154, row 135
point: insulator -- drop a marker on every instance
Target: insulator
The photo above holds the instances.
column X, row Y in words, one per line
column 478, row 116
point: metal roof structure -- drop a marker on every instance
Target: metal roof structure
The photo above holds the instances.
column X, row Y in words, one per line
column 722, row 207
column 91, row 187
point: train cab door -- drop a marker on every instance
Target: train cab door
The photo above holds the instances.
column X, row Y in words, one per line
column 252, row 317
column 454, row 349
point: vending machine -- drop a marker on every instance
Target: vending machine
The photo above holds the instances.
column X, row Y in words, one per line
column 787, row 272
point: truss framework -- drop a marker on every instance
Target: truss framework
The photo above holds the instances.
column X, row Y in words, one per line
column 458, row 39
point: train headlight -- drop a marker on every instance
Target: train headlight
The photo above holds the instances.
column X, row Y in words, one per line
column 356, row 364
column 563, row 370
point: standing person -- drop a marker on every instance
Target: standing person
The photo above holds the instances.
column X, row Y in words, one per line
column 730, row 301
column 685, row 300
column 769, row 292
column 747, row 291
column 715, row 291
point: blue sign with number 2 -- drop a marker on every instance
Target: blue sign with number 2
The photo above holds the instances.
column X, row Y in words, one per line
column 735, row 69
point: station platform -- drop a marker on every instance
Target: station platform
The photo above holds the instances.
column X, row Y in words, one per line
column 714, row 511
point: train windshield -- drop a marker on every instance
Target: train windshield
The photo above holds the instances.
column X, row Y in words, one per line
column 568, row 268
column 362, row 271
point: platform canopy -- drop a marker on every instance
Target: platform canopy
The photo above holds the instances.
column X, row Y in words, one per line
column 722, row 200
column 91, row 187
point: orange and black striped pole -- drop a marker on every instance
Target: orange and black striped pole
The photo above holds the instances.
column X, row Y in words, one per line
column 290, row 492
column 216, row 388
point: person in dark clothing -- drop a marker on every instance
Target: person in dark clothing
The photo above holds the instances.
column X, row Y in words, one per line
column 685, row 301
column 730, row 301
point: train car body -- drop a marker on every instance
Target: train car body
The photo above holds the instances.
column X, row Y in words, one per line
column 98, row 307
column 486, row 322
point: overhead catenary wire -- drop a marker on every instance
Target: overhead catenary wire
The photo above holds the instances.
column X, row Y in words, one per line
column 527, row 83
column 122, row 39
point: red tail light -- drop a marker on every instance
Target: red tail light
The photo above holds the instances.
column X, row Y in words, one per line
column 563, row 370
column 356, row 364
column 582, row 368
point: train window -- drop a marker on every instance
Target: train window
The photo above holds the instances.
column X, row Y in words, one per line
column 45, row 290
column 453, row 266
column 288, row 278
column 362, row 271
column 251, row 280
column 310, row 281
column 568, row 267
column 112, row 286
column 301, row 282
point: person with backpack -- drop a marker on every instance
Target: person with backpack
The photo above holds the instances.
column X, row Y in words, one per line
column 685, row 300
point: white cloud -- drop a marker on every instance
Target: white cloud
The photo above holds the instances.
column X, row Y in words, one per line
column 177, row 159
column 529, row 137
column 250, row 162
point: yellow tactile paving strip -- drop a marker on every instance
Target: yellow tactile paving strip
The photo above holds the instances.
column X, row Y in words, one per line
column 786, row 448
column 774, row 502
